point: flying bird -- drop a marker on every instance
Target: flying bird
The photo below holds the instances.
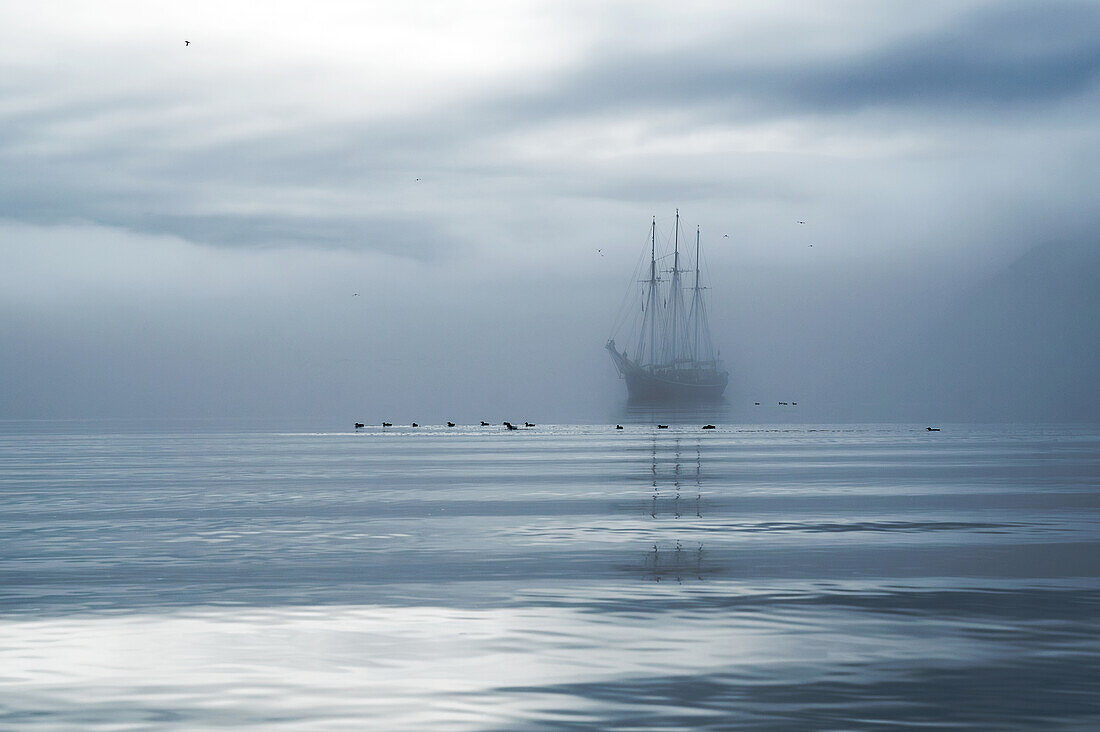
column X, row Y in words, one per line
column 187, row 43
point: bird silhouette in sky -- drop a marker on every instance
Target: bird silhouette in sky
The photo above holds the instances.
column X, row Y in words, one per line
column 187, row 43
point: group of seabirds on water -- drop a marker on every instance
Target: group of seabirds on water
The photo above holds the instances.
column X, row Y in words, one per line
column 526, row 425
column 509, row 425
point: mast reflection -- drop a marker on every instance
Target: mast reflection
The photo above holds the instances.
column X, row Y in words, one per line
column 669, row 556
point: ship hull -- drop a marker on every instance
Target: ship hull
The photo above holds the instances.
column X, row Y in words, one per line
column 643, row 386
column 669, row 385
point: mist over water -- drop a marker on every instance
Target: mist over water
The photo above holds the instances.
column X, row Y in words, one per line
column 285, row 337
column 567, row 575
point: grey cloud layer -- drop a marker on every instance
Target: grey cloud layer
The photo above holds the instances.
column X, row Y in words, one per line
column 998, row 56
column 135, row 161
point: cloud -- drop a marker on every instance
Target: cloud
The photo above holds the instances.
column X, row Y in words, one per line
column 319, row 154
column 992, row 58
column 459, row 169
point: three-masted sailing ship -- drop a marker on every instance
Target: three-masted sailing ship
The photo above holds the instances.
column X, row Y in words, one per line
column 669, row 356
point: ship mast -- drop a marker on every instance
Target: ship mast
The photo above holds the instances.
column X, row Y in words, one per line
column 674, row 292
column 695, row 305
column 699, row 326
column 652, row 299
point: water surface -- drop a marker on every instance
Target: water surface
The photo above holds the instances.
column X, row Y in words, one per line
column 753, row 576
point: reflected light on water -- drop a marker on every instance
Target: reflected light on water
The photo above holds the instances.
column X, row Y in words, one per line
column 263, row 665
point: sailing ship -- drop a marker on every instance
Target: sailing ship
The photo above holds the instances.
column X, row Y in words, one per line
column 669, row 356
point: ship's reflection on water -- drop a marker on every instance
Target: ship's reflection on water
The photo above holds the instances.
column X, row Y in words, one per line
column 640, row 412
column 674, row 564
column 675, row 507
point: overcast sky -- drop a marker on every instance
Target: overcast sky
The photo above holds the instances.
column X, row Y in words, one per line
column 184, row 228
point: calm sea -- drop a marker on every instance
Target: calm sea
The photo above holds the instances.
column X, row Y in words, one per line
column 790, row 577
